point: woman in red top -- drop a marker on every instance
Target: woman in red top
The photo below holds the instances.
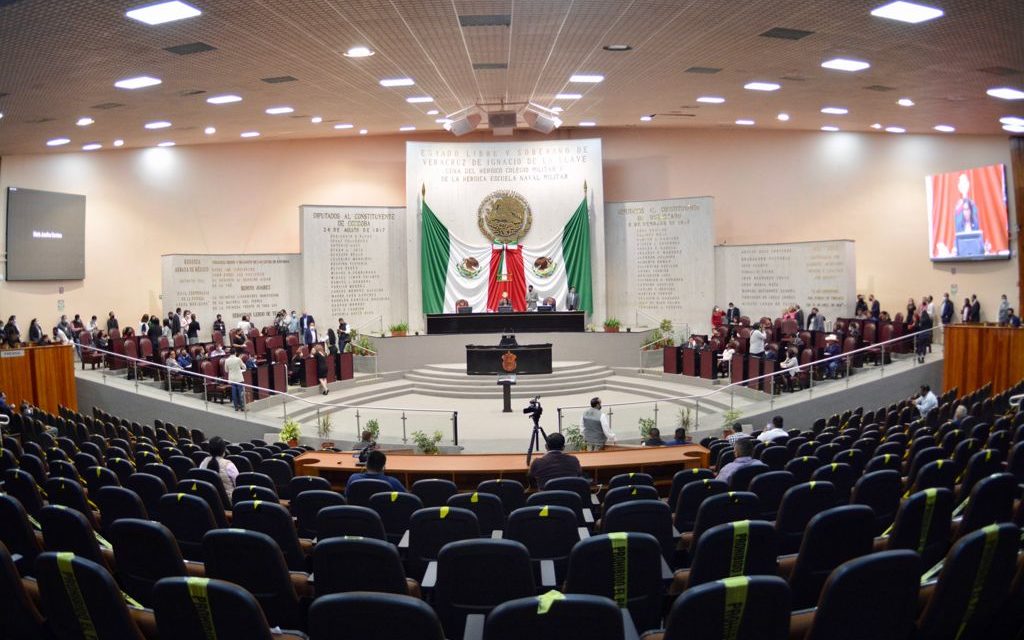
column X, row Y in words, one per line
column 717, row 317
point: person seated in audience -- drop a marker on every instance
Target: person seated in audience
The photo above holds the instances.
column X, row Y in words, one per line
column 884, row 317
column 238, row 340
column 129, row 332
column 171, row 361
column 217, row 351
column 365, row 445
column 744, row 449
column 680, row 438
column 375, row 462
column 555, row 463
column 772, row 431
column 726, row 361
column 693, row 343
column 295, row 366
column 832, row 348
column 216, row 461
column 736, row 433
column 790, row 367
column 101, row 341
column 65, row 326
column 959, row 414
column 184, row 359
column 789, row 313
column 654, row 438
column 925, row 401
column 769, row 353
column 1012, row 319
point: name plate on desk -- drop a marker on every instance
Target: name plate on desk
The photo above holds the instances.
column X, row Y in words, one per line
column 13, row 353
column 506, row 378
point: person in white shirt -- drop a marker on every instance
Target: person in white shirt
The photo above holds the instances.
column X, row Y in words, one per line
column 926, row 400
column 60, row 337
column 235, row 367
column 757, row 340
column 244, row 325
column 216, row 461
column 726, row 361
column 790, row 367
column 773, row 431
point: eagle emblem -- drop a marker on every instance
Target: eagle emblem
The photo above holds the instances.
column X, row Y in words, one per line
column 508, row 362
column 504, row 217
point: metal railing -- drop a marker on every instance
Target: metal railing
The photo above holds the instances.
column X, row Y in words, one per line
column 361, row 412
column 692, row 402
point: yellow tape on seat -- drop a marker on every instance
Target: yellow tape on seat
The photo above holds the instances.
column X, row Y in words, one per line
column 987, row 554
column 394, row 496
column 735, row 604
column 65, row 564
column 475, row 497
column 544, row 602
column 926, row 517
column 197, row 591
column 444, row 512
column 620, row 568
column 740, row 547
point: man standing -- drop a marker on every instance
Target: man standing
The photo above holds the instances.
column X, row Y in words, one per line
column 861, row 307
column 1004, row 311
column 111, row 322
column 175, row 323
column 572, row 301
column 596, row 431
column 815, row 321
column 732, row 314
column 344, row 336
column 555, row 463
column 304, row 321
column 975, row 308
column 531, row 299
column 309, row 335
column 876, row 307
column 193, row 330
column 293, row 323
column 235, row 367
column 757, row 340
column 947, row 309
column 799, row 317
column 218, row 325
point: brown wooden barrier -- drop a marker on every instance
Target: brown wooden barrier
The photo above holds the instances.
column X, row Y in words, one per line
column 44, row 376
column 977, row 354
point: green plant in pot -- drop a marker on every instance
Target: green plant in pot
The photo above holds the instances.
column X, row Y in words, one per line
column 361, row 345
column 427, row 444
column 574, row 440
column 399, row 329
column 323, row 431
column 373, row 426
column 611, row 325
column 645, row 424
column 290, row 432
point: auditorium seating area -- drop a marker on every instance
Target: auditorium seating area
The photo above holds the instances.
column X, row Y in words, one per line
column 868, row 524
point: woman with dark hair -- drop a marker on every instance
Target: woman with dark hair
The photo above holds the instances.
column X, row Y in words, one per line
column 321, row 366
column 217, row 462
column 35, row 332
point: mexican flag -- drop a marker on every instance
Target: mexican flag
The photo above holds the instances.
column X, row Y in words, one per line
column 454, row 270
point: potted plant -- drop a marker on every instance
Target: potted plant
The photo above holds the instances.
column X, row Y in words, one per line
column 399, row 330
column 362, row 350
column 611, row 325
column 373, row 426
column 729, row 417
column 323, row 431
column 684, row 419
column 645, row 424
column 290, row 432
column 427, row 444
column 574, row 440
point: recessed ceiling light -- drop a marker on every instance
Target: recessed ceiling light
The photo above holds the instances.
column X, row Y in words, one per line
column 407, row 127
column 845, row 64
column 137, row 83
column 1, row 115
column 56, row 142
column 589, row 78
column 316, row 119
column 443, row 121
column 363, row 132
column 250, row 134
column 1006, row 93
column 907, row 12
column 568, row 96
column 1013, row 121
column 119, row 143
column 1013, row 128
column 224, row 99
column 646, row 118
column 85, row 121
column 895, row 129
column 343, row 125
column 92, row 146
column 276, row 111
column 745, row 123
column 556, row 109
column 397, row 82
column 617, row 47
column 163, row 12
column 784, row 117
column 359, row 52
column 419, row 99
column 588, row 123
column 165, row 144
column 944, row 128
column 835, row 111
column 905, row 102
column 159, row 124
column 762, row 86
column 830, row 128
column 433, row 112
column 877, row 125
column 210, row 130
column 711, row 99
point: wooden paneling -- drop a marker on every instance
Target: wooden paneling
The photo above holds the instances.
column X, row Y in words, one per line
column 1017, row 195
column 977, row 354
column 16, row 375
column 45, row 376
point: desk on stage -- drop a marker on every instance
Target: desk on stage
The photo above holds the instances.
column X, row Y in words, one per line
column 525, row 322
column 483, row 360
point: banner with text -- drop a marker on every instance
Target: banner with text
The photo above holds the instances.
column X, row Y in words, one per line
column 257, row 285
column 764, row 279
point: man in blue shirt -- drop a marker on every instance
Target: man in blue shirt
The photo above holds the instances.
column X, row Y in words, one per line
column 375, row 462
column 744, row 448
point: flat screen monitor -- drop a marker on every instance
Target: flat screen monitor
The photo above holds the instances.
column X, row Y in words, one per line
column 464, row 310
column 45, row 235
column 967, row 214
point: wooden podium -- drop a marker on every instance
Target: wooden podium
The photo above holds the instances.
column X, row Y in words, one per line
column 43, row 376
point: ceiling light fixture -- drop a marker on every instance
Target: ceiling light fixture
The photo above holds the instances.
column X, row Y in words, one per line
column 443, row 121
column 588, row 123
column 84, row 121
column 397, row 82
column 830, row 128
column 92, row 146
column 359, row 52
column 944, row 128
column 877, row 125
column 1006, row 93
column 762, row 86
column 276, row 111
column 363, row 132
column 745, row 123
column 419, row 99
column 784, row 117
column 1013, row 121
column 617, row 47
column 56, row 142
column 895, row 130
column 568, row 96
column 138, row 82
column 407, row 127
column 845, row 64
column 316, row 119
column 587, row 78
column 905, row 102
column 224, row 99
column 250, row 134
column 159, row 124
column 433, row 112
column 835, row 111
column 711, row 99
column 119, row 142
column 210, row 131
column 163, row 12
column 165, row 144
column 907, row 12
column 646, row 118
column 343, row 125
column 556, row 109
column 1012, row 128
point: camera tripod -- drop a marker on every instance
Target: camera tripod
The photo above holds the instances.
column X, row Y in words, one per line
column 535, row 438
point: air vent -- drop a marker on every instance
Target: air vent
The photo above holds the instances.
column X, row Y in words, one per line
column 494, row 20
column 190, row 48
column 879, row 87
column 190, row 92
column 1001, row 71
column 279, row 79
column 106, row 105
column 40, row 120
column 706, row 70
column 489, row 66
column 786, row 34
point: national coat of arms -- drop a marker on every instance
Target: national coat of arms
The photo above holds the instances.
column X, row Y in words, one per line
column 504, row 217
column 508, row 362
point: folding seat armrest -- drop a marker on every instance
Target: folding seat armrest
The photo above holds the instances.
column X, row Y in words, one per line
column 497, row 534
column 786, row 564
column 675, row 533
column 287, row 634
column 800, row 622
column 429, row 580
column 301, row 584
column 628, row 628
column 474, row 627
column 593, row 499
column 547, row 573
column 666, row 571
column 145, row 620
column 404, row 542
column 195, row 569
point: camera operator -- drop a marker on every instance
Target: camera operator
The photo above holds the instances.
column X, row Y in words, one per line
column 596, row 431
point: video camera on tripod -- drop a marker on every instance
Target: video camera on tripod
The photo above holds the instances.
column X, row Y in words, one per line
column 534, row 410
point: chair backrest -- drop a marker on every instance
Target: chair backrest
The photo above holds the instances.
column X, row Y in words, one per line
column 490, row 512
column 745, row 547
column 799, row 504
column 434, row 492
column 832, row 537
column 81, row 599
column 510, row 492
column 740, row 480
column 254, row 492
column 474, row 576
column 98, row 477
column 683, row 478
column 298, row 484
column 16, row 533
column 710, row 611
column 280, row 472
column 568, row 499
column 548, row 532
column 852, row 589
column 214, row 479
column 690, row 498
column 625, row 493
column 625, row 567
column 374, row 616
column 116, row 503
column 769, row 488
column 879, row 490
column 922, row 524
column 642, row 516
column 229, row 611
column 349, row 520
column 395, row 509
column 189, row 518
column 555, row 615
column 975, row 579
column 579, row 486
column 19, row 617
column 209, row 494
column 991, row 501
column 728, row 507
column 939, row 473
column 162, row 471
column 982, row 464
column 631, row 478
column 358, row 493
column 776, row 457
column 255, row 478
column 802, row 467
column 275, row 521
column 253, row 561
column 884, row 461
column 358, row 564
column 841, row 476
column 68, row 493
column 431, row 528
column 307, row 505
column 22, row 486
column 145, row 552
